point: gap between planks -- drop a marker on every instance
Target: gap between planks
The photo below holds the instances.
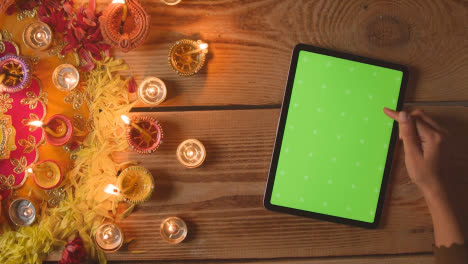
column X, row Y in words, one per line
column 267, row 106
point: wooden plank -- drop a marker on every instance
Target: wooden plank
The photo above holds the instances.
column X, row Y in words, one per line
column 222, row 200
column 251, row 42
column 418, row 259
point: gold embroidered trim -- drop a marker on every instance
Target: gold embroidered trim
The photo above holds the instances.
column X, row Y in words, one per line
column 29, row 144
column 20, row 164
column 5, row 102
column 32, row 99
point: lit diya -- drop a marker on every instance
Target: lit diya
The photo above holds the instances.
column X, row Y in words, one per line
column 135, row 184
column 15, row 74
column 46, row 174
column 125, row 24
column 7, row 136
column 144, row 134
column 187, row 57
column 38, row 36
column 58, row 130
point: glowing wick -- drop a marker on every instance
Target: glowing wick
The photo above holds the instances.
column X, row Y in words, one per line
column 59, row 132
column 29, row 170
column 27, row 212
column 112, row 189
column 128, row 122
column 173, row 228
column 201, row 47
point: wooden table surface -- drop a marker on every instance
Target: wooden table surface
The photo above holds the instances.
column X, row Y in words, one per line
column 233, row 107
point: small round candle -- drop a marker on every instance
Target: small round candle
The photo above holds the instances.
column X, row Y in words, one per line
column 22, row 212
column 46, row 174
column 152, row 91
column 173, row 230
column 38, row 36
column 191, row 153
column 109, row 237
column 66, row 77
column 187, row 57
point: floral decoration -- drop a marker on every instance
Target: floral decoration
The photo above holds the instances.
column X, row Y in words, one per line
column 32, row 99
column 74, row 252
column 79, row 27
column 5, row 102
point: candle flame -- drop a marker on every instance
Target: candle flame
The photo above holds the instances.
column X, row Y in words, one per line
column 36, row 123
column 203, row 46
column 29, row 170
column 125, row 119
column 118, row 1
column 112, row 189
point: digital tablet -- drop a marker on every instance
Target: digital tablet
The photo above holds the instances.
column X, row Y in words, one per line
column 334, row 145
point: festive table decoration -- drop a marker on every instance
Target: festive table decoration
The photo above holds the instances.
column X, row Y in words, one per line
column 125, row 24
column 136, row 184
column 173, row 230
column 38, row 36
column 65, row 77
column 109, row 237
column 46, row 174
column 7, row 137
column 74, row 252
column 191, row 153
column 22, row 212
column 144, row 133
column 15, row 74
column 152, row 91
column 23, row 107
column 187, row 57
column 58, row 130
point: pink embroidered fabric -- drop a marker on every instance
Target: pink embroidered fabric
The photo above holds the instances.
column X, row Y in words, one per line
column 23, row 106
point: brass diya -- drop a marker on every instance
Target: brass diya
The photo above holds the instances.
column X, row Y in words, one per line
column 7, row 136
column 125, row 24
column 136, row 184
column 187, row 57
column 15, row 73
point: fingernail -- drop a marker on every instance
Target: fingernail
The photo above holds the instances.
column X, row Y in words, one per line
column 403, row 116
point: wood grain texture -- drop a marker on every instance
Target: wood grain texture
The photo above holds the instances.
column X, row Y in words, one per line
column 251, row 43
column 419, row 259
column 222, row 200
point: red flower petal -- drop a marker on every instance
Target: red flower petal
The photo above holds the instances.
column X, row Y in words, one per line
column 132, row 86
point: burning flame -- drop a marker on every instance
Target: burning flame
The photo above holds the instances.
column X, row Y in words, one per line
column 125, row 119
column 29, row 170
column 118, row 1
column 36, row 123
column 112, row 189
column 203, row 46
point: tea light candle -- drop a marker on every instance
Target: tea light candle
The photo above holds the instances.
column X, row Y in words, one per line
column 152, row 91
column 58, row 130
column 144, row 134
column 191, row 153
column 46, row 174
column 38, row 36
column 173, row 230
column 187, row 57
column 22, row 212
column 65, row 77
column 109, row 237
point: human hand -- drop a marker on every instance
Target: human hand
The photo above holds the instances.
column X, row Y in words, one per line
column 423, row 143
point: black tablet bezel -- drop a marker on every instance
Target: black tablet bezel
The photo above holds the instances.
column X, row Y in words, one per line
column 281, row 125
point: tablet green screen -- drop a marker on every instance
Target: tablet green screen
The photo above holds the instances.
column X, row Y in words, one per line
column 336, row 137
